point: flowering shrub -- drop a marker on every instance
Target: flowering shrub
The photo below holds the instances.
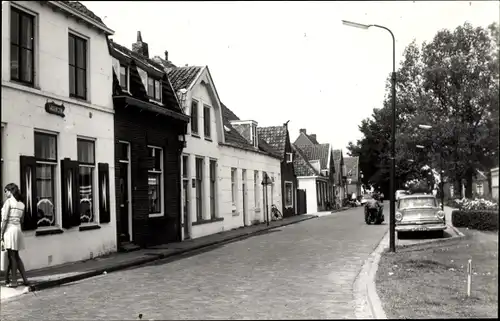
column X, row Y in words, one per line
column 474, row 205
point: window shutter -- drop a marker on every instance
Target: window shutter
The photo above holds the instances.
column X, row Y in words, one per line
column 28, row 190
column 70, row 193
column 104, row 208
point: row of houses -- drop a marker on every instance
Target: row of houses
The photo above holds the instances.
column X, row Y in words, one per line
column 114, row 149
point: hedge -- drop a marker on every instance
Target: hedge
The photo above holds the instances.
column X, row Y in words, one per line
column 484, row 220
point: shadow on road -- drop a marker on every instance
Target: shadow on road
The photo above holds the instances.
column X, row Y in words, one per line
column 423, row 235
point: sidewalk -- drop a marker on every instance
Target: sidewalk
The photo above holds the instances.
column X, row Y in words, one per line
column 71, row 272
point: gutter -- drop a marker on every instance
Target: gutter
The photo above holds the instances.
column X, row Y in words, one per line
column 251, row 150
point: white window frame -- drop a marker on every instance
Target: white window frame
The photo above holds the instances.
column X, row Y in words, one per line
column 161, row 172
column 87, row 66
column 256, row 192
column 94, row 180
column 288, row 183
column 36, row 42
column 127, row 76
column 200, row 183
column 57, row 216
column 254, row 135
column 289, row 157
column 215, row 214
column 196, row 103
column 155, row 81
column 479, row 189
column 234, row 188
column 209, row 135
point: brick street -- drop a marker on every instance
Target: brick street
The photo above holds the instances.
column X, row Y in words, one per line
column 301, row 271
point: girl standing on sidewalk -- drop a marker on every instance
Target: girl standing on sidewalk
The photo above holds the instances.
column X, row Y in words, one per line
column 12, row 235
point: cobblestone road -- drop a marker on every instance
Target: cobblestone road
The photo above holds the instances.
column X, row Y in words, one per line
column 301, row 271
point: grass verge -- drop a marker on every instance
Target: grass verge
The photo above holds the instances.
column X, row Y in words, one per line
column 431, row 281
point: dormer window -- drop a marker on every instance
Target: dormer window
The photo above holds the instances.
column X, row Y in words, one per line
column 154, row 89
column 254, row 135
column 289, row 157
column 124, row 77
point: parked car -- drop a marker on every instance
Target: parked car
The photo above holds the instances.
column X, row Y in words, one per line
column 419, row 212
column 399, row 193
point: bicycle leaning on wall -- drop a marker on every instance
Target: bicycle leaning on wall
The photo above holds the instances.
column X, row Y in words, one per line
column 275, row 213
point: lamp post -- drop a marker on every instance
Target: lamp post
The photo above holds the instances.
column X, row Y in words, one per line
column 392, row 219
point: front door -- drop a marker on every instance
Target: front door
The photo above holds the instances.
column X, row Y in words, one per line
column 186, row 208
column 124, row 201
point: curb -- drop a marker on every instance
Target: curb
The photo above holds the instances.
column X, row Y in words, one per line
column 369, row 305
column 435, row 241
column 122, row 266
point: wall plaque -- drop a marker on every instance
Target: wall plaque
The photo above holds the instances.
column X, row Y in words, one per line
column 55, row 109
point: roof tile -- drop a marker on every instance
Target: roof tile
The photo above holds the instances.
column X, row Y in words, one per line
column 78, row 6
column 275, row 136
column 183, row 77
column 317, row 152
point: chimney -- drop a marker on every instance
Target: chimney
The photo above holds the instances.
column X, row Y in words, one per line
column 166, row 55
column 140, row 47
column 313, row 136
column 303, row 130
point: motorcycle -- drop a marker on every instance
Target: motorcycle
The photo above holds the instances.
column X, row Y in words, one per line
column 374, row 215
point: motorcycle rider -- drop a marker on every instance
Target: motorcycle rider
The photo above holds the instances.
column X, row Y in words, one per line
column 374, row 202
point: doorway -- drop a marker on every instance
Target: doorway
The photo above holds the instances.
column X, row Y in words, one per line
column 125, row 206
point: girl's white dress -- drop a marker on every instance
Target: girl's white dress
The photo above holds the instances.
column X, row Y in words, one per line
column 12, row 214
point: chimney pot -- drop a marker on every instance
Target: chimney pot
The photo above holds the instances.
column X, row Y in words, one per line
column 303, row 130
column 140, row 46
column 166, row 55
column 313, row 136
column 139, row 37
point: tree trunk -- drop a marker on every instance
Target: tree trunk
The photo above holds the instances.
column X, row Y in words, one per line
column 468, row 187
column 458, row 187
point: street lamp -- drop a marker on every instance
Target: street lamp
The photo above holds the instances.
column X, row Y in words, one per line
column 392, row 218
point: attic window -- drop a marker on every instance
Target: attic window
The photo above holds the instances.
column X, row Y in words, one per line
column 124, row 77
column 254, row 135
column 154, row 89
column 289, row 157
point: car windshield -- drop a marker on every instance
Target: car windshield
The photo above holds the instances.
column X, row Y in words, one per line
column 417, row 202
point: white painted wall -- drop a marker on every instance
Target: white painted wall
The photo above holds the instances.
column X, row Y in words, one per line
column 309, row 184
column 233, row 215
column 23, row 112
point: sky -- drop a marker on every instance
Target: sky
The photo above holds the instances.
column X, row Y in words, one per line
column 277, row 61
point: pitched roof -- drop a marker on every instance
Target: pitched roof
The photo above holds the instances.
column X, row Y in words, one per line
column 136, row 86
column 317, row 152
column 337, row 153
column 76, row 5
column 183, row 77
column 352, row 168
column 301, row 164
column 275, row 136
column 305, row 139
column 233, row 137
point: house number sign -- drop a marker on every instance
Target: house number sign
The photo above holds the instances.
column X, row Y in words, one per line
column 55, row 109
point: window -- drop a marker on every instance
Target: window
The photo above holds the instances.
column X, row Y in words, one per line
column 288, row 194
column 21, row 46
column 124, row 77
column 213, row 167
column 194, row 117
column 479, row 189
column 206, row 121
column 155, row 180
column 77, row 66
column 86, row 160
column 199, row 186
column 46, row 164
column 233, row 186
column 254, row 135
column 154, row 89
column 289, row 157
column 318, row 193
column 256, row 189
column 185, row 184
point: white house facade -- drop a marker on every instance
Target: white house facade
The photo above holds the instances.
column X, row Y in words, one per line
column 57, row 129
column 218, row 191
